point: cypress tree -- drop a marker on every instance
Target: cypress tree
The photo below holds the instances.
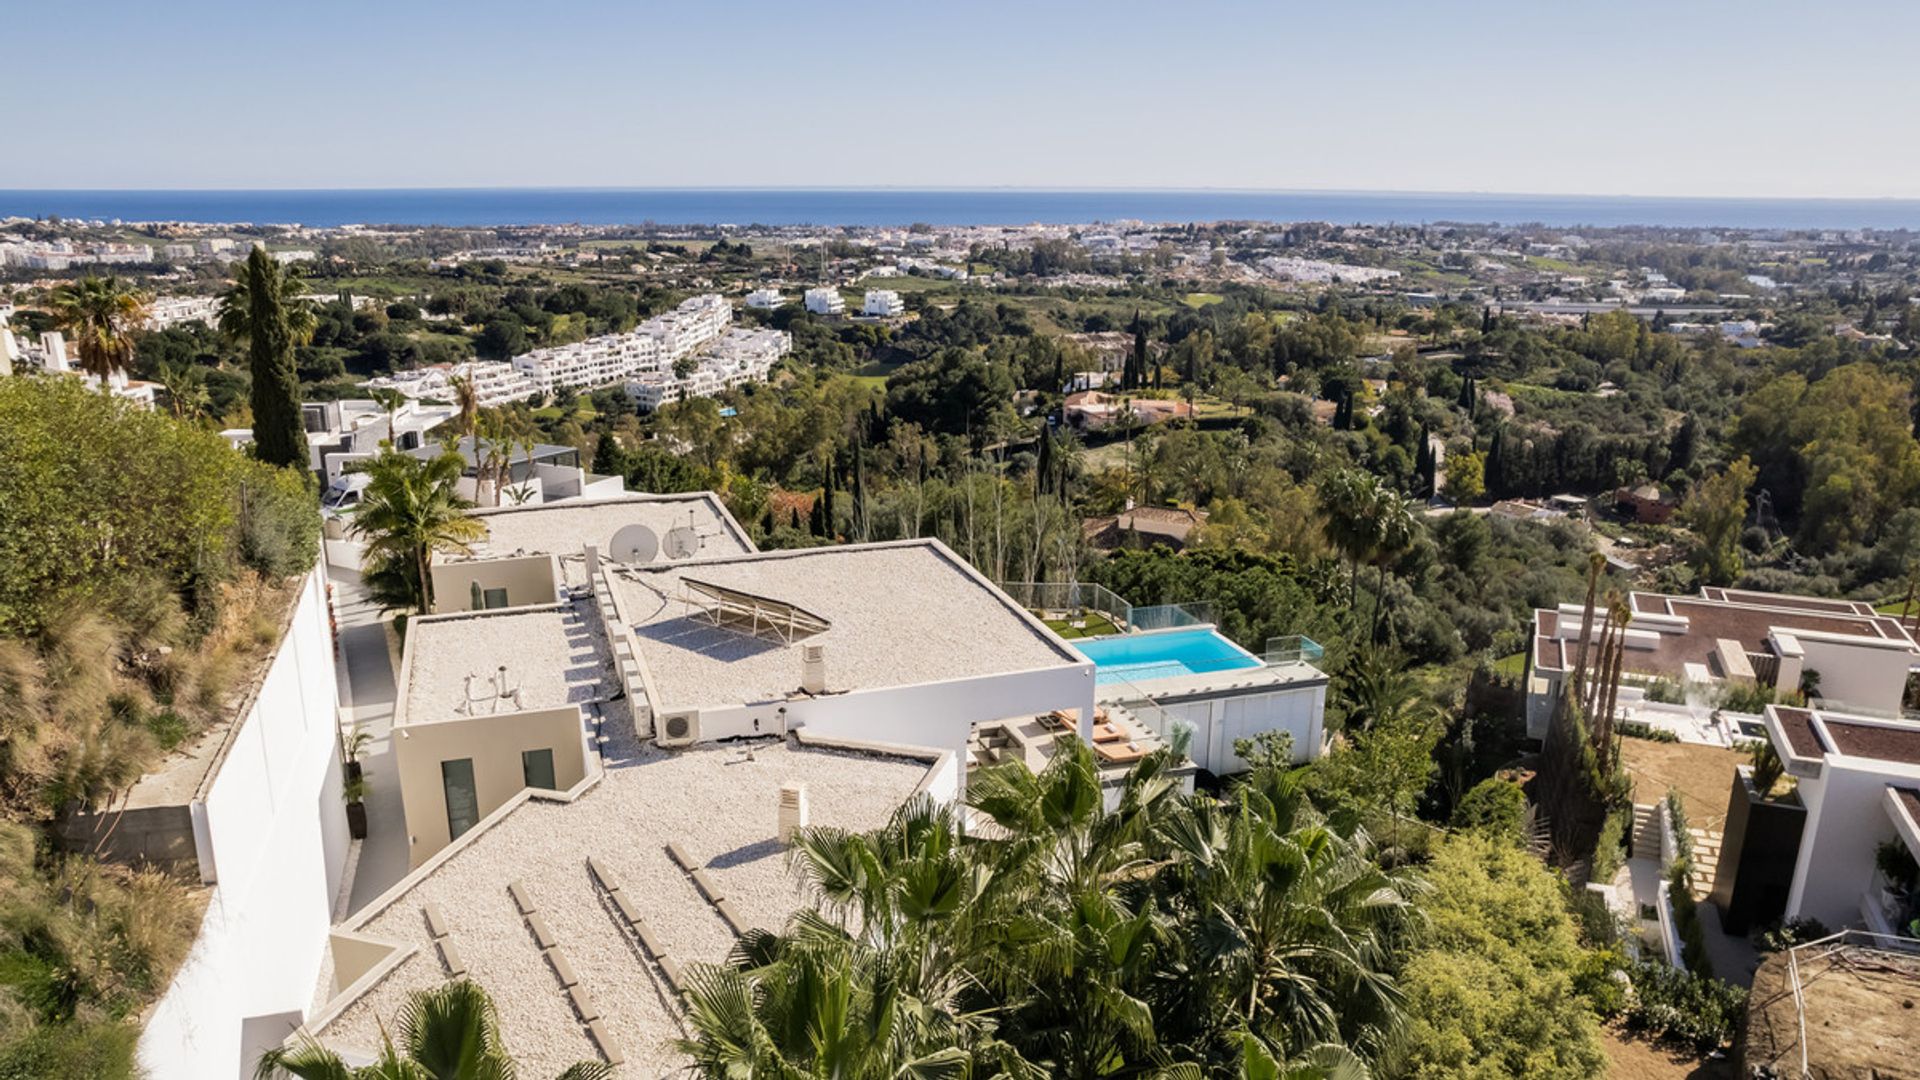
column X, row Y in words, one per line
column 258, row 310
column 1496, row 467
column 1137, row 362
column 826, row 499
column 1043, row 471
column 859, row 493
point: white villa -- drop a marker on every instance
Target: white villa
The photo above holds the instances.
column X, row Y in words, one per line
column 618, row 710
column 826, row 300
column 883, row 303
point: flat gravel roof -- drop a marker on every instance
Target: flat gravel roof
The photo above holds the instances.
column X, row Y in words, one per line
column 902, row 614
column 555, row 655
column 720, row 803
column 565, row 528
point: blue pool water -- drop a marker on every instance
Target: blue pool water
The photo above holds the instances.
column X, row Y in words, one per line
column 1139, row 657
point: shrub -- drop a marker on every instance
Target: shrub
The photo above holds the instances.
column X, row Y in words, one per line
column 1639, row 730
column 1790, row 933
column 1608, row 850
column 1492, row 991
column 1494, row 805
column 1685, row 1006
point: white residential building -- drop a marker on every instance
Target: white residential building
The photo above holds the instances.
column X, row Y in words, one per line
column 826, row 301
column 737, row 357
column 883, row 302
column 495, row 382
column 764, row 299
column 166, row 311
column 1852, row 657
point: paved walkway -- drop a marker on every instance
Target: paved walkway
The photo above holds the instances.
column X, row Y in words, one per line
column 366, row 697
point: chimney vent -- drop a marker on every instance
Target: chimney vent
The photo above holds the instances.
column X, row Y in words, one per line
column 793, row 809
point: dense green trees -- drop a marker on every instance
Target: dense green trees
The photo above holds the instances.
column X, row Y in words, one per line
column 142, row 573
column 1173, row 937
column 261, row 310
column 1490, row 991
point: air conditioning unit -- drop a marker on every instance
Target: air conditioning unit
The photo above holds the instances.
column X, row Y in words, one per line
column 677, row 728
column 813, row 669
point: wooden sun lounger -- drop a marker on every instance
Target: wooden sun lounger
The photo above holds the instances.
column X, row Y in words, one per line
column 1108, row 733
column 1119, row 754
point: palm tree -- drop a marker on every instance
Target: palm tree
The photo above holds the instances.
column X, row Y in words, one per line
column 260, row 309
column 468, row 402
column 447, row 1033
column 186, row 387
column 411, row 509
column 99, row 315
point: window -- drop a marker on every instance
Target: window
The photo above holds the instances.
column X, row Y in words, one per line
column 495, row 598
column 463, row 805
column 537, row 767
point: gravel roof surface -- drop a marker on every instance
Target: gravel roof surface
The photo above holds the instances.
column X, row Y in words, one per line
column 901, row 613
column 565, row 528
column 555, row 655
column 720, row 803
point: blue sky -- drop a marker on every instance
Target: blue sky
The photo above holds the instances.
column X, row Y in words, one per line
column 1629, row 97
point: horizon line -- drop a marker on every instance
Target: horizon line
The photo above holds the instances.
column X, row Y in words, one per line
column 973, row 189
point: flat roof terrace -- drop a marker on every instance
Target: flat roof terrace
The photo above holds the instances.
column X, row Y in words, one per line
column 719, row 804
column 901, row 614
column 554, row 655
column 565, row 528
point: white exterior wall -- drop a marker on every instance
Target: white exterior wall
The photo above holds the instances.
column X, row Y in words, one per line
column 272, row 836
column 1217, row 722
column 1856, row 675
column 941, row 714
column 1846, row 819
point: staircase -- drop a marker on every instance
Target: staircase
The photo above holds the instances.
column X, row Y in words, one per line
column 1706, row 861
column 1646, row 831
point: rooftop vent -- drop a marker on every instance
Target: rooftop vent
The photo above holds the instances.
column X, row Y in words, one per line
column 813, row 669
column 793, row 809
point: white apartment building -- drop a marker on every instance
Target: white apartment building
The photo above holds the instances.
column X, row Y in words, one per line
column 690, row 326
column 178, row 251
column 826, row 301
column 495, row 382
column 737, row 358
column 764, row 299
column 884, row 303
column 169, row 311
column 594, row 362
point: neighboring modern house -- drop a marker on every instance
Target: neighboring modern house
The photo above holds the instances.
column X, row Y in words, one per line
column 826, row 301
column 1850, row 656
column 342, row 432
column 764, row 299
column 1859, row 782
column 884, row 303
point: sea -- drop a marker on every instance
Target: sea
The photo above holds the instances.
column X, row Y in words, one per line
column 976, row 206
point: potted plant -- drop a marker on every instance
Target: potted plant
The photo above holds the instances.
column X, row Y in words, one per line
column 352, row 745
column 354, row 790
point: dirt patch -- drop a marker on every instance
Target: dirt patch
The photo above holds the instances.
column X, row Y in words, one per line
column 1862, row 1015
column 1631, row 1056
column 1702, row 774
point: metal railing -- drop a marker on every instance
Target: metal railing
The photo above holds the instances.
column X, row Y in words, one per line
column 1293, row 649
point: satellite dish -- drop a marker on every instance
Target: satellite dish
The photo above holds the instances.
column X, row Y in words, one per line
column 633, row 544
column 683, row 542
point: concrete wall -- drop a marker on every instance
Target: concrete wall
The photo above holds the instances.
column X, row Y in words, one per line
column 494, row 742
column 272, row 840
column 528, row 579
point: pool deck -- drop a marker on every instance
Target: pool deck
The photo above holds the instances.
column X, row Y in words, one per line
column 1250, row 680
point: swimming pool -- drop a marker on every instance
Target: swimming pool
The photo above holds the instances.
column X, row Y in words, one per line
column 1139, row 657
